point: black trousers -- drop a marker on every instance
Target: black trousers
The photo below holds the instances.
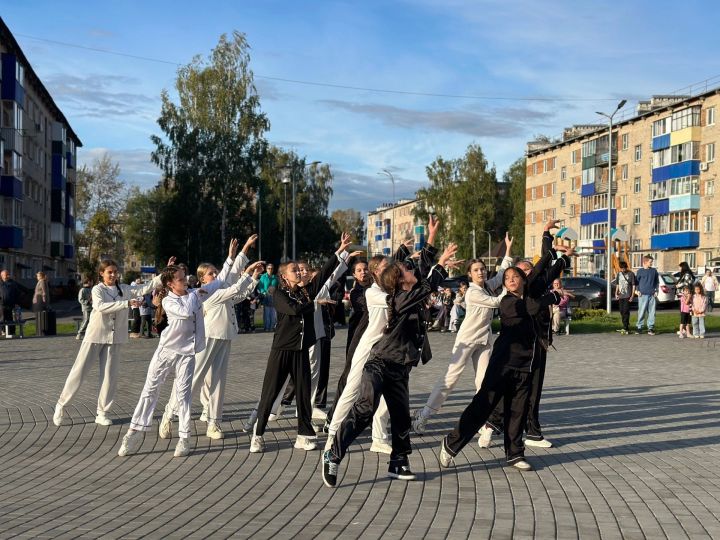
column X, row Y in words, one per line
column 323, row 348
column 624, row 305
column 500, row 383
column 135, row 327
column 146, row 322
column 537, row 379
column 7, row 312
column 280, row 365
column 389, row 380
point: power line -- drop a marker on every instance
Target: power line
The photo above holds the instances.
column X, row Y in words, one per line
column 330, row 85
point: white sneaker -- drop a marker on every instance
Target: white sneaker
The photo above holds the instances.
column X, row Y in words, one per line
column 103, row 420
column 304, row 442
column 381, row 447
column 165, row 430
column 522, row 465
column 485, row 440
column 257, row 444
column 204, row 415
column 130, row 444
column 248, row 426
column 214, row 431
column 542, row 443
column 274, row 417
column 419, row 422
column 445, row 458
column 58, row 416
column 183, row 447
column 319, row 414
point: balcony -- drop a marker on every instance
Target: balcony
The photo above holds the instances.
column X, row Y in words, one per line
column 11, row 186
column 57, row 249
column 660, row 208
column 13, row 140
column 598, row 216
column 11, row 237
column 11, row 87
column 676, row 170
column 661, row 142
column 69, row 251
column 683, row 239
column 603, row 158
column 684, row 202
column 70, row 161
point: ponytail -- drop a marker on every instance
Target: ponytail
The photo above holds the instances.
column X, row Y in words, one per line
column 166, row 276
column 390, row 283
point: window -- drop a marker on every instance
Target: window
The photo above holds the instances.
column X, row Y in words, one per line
column 625, row 141
column 623, row 202
column 709, row 187
column 554, row 188
column 532, row 217
column 710, row 116
column 689, row 257
column 563, row 173
column 660, row 127
column 685, row 151
column 710, row 152
column 638, row 152
column 562, row 199
column 707, row 224
column 573, row 158
column 544, row 191
column 553, row 163
column 686, row 118
column 572, row 183
column 636, row 216
column 532, row 242
column 624, row 172
column 687, row 185
column 545, row 216
column 532, row 193
column 637, row 184
column 572, row 210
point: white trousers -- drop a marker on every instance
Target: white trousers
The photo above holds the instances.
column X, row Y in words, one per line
column 162, row 362
column 108, row 362
column 208, row 380
column 462, row 355
column 381, row 419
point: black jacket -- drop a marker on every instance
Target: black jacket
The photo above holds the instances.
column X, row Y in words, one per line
column 9, row 293
column 405, row 340
column 358, row 321
column 295, row 311
column 519, row 342
column 548, row 269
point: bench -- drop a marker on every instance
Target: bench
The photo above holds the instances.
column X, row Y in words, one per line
column 19, row 323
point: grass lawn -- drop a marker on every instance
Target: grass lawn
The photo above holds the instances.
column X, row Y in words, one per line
column 665, row 323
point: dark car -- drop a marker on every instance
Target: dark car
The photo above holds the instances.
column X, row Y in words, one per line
column 454, row 283
column 590, row 292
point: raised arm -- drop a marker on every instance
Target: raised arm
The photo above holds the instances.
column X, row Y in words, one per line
column 495, row 282
column 107, row 307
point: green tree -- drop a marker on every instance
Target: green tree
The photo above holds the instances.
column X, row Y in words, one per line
column 142, row 222
column 515, row 176
column 350, row 221
column 212, row 149
column 438, row 197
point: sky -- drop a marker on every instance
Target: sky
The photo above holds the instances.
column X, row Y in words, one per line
column 385, row 84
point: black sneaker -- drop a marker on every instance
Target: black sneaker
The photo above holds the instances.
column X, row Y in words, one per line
column 400, row 471
column 330, row 469
column 637, row 332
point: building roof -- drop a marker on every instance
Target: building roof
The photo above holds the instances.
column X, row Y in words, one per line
column 14, row 46
column 643, row 114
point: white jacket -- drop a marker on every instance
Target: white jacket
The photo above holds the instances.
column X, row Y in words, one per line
column 109, row 317
column 219, row 309
column 479, row 305
column 185, row 332
column 376, row 300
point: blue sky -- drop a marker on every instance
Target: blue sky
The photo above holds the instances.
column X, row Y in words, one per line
column 589, row 54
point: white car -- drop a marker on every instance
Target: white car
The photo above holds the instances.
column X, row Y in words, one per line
column 667, row 293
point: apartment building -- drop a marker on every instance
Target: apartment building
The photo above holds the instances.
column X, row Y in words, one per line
column 392, row 225
column 662, row 183
column 37, row 176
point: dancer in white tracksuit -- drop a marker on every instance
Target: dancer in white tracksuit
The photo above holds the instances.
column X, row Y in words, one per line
column 474, row 341
column 183, row 338
column 376, row 300
column 106, row 331
column 220, row 329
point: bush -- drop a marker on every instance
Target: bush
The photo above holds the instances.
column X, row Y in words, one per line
column 599, row 315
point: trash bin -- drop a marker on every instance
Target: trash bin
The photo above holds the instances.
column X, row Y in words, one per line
column 40, row 322
column 51, row 327
column 46, row 323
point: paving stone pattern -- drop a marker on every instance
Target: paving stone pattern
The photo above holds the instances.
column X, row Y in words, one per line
column 635, row 420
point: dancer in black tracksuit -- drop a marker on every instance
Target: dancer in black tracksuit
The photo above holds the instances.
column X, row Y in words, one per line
column 293, row 337
column 387, row 371
column 541, row 276
column 508, row 374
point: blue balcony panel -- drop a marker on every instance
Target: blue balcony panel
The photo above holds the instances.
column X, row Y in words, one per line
column 11, row 186
column 58, row 180
column 660, row 208
column 386, row 236
column 676, row 170
column 597, row 244
column 684, row 202
column 386, row 251
column 685, row 239
column 69, row 159
column 69, row 221
column 661, row 143
column 148, row 269
column 11, row 88
column 587, row 190
column 69, row 251
column 378, row 237
column 11, row 237
column 598, row 216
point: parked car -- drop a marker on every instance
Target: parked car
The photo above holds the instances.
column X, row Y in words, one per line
column 589, row 291
column 667, row 293
column 454, row 283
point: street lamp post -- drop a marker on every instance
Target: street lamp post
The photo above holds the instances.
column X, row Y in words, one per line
column 473, row 237
column 311, row 164
column 392, row 219
column 608, row 271
column 285, row 179
column 489, row 251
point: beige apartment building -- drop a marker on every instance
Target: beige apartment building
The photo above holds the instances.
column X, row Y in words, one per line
column 37, row 176
column 662, row 192
column 391, row 225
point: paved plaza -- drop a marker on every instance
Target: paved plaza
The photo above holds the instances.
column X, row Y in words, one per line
column 635, row 420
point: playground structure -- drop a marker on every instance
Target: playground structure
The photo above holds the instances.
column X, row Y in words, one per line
column 568, row 236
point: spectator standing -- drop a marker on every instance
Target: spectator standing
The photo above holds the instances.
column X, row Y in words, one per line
column 698, row 307
column 624, row 291
column 41, row 297
column 685, row 277
column 267, row 280
column 146, row 316
column 709, row 284
column 685, row 317
column 648, row 281
column 560, row 310
column 9, row 299
column 446, row 297
column 135, row 315
column 85, row 299
column 457, row 313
